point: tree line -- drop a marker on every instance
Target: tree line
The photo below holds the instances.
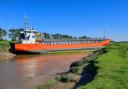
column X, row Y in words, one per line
column 61, row 36
column 14, row 35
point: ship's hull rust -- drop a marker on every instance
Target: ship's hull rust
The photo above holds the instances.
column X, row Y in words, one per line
column 46, row 47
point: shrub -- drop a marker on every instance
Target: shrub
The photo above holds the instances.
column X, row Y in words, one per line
column 74, row 69
column 70, row 77
column 64, row 78
column 77, row 63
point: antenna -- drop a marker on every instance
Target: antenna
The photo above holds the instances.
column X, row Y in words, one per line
column 104, row 33
column 25, row 23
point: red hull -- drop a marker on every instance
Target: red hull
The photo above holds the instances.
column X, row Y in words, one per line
column 47, row 47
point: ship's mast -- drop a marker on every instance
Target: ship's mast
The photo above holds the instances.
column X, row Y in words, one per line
column 25, row 23
column 104, row 34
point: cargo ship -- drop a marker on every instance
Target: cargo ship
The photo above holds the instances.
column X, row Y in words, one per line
column 34, row 42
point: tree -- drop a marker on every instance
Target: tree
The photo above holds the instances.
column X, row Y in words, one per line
column 2, row 33
column 61, row 36
column 56, row 36
column 46, row 35
column 14, row 34
column 67, row 37
column 83, row 37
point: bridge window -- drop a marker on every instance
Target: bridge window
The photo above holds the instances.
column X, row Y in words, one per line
column 33, row 36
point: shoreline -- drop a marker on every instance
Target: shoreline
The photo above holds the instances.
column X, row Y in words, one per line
column 49, row 66
column 4, row 56
column 69, row 78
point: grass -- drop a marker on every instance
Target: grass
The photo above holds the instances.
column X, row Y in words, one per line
column 112, row 69
column 4, row 46
column 49, row 84
column 4, row 42
column 68, row 52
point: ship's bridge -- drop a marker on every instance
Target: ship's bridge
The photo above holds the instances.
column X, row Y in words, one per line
column 28, row 36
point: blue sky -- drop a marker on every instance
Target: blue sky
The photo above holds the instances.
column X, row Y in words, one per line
column 72, row 17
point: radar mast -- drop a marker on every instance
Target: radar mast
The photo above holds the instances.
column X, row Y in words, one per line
column 104, row 33
column 25, row 23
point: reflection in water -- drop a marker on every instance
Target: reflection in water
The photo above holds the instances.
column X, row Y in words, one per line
column 29, row 65
column 23, row 67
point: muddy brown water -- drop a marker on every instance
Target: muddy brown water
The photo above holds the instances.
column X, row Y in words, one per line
column 16, row 73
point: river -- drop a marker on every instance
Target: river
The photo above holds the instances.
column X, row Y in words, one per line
column 26, row 71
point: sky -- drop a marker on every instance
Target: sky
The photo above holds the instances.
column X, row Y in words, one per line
column 72, row 17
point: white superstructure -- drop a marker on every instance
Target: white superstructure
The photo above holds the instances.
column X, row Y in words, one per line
column 27, row 36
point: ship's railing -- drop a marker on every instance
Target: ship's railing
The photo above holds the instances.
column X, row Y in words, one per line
column 71, row 41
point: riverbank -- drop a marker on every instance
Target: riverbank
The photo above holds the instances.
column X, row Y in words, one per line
column 104, row 69
column 4, row 51
column 5, row 56
column 67, row 80
column 112, row 69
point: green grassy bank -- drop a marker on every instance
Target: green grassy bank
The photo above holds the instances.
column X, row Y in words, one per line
column 4, row 46
column 112, row 72
column 4, row 42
